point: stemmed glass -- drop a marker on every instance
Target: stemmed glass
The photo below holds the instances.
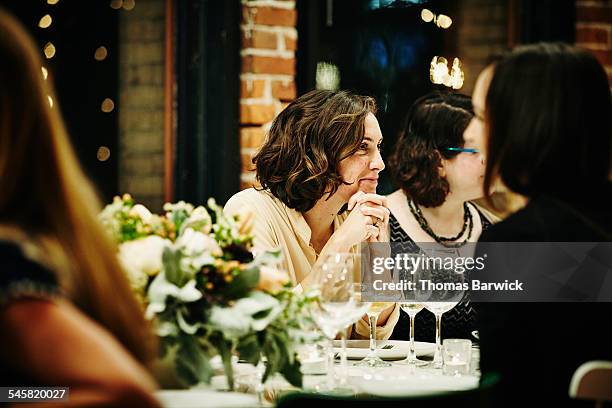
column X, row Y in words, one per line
column 412, row 303
column 337, row 306
column 445, row 292
column 352, row 315
column 438, row 309
column 372, row 360
column 411, row 309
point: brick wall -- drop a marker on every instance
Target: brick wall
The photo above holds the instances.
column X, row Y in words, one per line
column 481, row 30
column 594, row 30
column 141, row 102
column 267, row 79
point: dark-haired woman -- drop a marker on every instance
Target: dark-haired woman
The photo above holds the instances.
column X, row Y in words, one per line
column 321, row 155
column 545, row 111
column 439, row 166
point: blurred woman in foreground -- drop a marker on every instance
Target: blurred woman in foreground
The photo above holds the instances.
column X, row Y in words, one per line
column 545, row 111
column 67, row 314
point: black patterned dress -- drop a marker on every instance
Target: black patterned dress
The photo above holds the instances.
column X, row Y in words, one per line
column 20, row 278
column 459, row 322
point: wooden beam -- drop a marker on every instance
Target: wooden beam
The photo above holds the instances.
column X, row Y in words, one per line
column 169, row 112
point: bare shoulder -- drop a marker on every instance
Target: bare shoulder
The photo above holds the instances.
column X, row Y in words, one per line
column 396, row 202
column 58, row 322
column 84, row 352
column 398, row 205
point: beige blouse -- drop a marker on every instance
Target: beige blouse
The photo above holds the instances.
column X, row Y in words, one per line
column 278, row 226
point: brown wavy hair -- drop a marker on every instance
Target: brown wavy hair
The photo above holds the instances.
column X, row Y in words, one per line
column 298, row 162
column 434, row 122
column 45, row 196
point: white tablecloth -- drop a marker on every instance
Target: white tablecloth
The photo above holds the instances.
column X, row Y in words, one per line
column 397, row 380
column 196, row 398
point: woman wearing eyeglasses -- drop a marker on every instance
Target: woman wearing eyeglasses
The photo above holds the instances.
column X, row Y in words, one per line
column 439, row 168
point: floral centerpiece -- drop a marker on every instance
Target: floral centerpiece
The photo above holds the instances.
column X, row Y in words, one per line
column 195, row 274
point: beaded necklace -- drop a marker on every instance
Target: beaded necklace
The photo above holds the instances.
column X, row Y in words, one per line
column 468, row 223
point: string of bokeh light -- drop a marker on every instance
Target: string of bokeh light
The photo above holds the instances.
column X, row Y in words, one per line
column 100, row 54
column 439, row 73
column 441, row 20
column 49, row 48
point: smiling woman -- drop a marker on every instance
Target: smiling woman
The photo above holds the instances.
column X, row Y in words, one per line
column 356, row 169
column 316, row 138
column 321, row 156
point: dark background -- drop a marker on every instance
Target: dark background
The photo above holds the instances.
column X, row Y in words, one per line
column 81, row 83
column 376, row 49
column 382, row 51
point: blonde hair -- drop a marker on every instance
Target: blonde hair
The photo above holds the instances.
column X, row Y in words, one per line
column 45, row 195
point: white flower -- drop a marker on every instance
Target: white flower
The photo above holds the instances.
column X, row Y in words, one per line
column 166, row 329
column 110, row 210
column 180, row 206
column 108, row 217
column 239, row 319
column 199, row 220
column 142, row 212
column 232, row 322
column 161, row 289
column 136, row 278
column 255, row 304
column 142, row 258
column 194, row 243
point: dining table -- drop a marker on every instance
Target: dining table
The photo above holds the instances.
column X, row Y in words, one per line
column 396, row 380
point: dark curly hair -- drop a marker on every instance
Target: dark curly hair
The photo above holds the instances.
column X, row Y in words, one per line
column 298, row 162
column 434, row 122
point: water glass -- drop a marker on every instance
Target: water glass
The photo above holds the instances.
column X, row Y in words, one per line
column 456, row 354
column 475, row 361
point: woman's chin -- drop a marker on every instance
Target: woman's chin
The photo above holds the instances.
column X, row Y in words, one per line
column 368, row 186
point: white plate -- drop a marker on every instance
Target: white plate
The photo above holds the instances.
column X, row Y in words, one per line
column 195, row 398
column 386, row 349
column 396, row 383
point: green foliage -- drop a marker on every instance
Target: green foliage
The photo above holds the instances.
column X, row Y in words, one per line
column 205, row 299
column 192, row 363
column 242, row 283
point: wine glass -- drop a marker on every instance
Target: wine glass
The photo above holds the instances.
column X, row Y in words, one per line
column 438, row 309
column 412, row 303
column 354, row 312
column 336, row 302
column 411, row 309
column 445, row 289
column 372, row 360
